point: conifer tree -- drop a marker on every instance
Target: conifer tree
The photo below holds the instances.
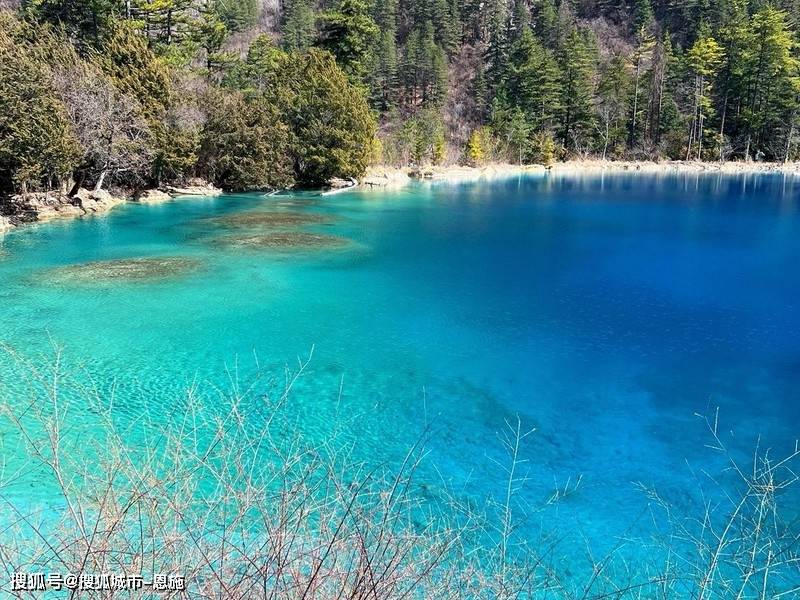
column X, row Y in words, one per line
column 37, row 147
column 84, row 19
column 497, row 43
column 237, row 15
column 298, row 28
column 166, row 22
column 735, row 37
column 546, row 22
column 245, row 144
column 124, row 56
column 433, row 68
column 330, row 120
column 704, row 59
column 661, row 74
column 384, row 77
column 770, row 75
column 577, row 59
column 533, row 81
column 645, row 42
column 613, row 90
column 349, row 33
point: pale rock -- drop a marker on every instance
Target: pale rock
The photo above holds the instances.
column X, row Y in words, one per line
column 152, row 197
column 5, row 224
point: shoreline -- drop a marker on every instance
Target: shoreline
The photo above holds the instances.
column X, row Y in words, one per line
column 42, row 207
column 392, row 177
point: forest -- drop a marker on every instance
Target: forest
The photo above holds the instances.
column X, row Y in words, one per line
column 265, row 94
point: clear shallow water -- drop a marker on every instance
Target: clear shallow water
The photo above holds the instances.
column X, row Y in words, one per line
column 605, row 311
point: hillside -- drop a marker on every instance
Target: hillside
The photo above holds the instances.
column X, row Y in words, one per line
column 258, row 94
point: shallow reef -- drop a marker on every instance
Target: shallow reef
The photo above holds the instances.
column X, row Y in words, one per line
column 272, row 219
column 128, row 269
column 283, row 241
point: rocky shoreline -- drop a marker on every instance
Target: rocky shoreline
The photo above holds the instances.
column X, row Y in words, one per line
column 36, row 207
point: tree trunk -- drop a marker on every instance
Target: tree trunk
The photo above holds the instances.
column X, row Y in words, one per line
column 661, row 81
column 99, row 185
column 77, row 185
column 789, row 139
column 635, row 99
column 700, row 121
column 693, row 128
column 722, row 126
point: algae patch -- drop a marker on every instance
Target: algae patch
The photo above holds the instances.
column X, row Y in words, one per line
column 283, row 241
column 274, row 220
column 130, row 269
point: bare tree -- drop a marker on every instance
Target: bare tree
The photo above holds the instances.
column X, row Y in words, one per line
column 114, row 136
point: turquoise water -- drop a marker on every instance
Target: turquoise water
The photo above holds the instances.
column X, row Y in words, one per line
column 605, row 311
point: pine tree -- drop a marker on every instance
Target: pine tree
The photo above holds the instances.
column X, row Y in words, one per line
column 498, row 43
column 433, row 68
column 446, row 26
column 38, row 149
column 613, row 91
column 546, row 22
column 704, row 59
column 245, row 143
column 238, row 15
column 210, row 33
column 385, row 69
column 661, row 74
column 331, row 123
column 735, row 37
column 642, row 16
column 770, row 75
column 298, row 28
column 349, row 33
column 645, row 42
column 83, row 19
column 124, row 56
column 521, row 19
column 166, row 22
column 410, row 67
column 577, row 59
column 533, row 81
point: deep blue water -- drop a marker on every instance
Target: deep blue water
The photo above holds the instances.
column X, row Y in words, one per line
column 605, row 311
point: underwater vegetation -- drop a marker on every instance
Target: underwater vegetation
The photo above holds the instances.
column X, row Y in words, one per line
column 128, row 269
column 272, row 219
column 282, row 241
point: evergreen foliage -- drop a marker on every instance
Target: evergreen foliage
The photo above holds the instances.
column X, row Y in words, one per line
column 38, row 149
column 330, row 120
column 349, row 33
column 298, row 27
column 130, row 92
column 245, row 145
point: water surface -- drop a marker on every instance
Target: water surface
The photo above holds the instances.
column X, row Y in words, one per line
column 606, row 311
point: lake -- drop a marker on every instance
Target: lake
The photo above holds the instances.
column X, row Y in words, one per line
column 605, row 311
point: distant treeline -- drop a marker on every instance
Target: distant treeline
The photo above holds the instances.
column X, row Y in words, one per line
column 261, row 93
